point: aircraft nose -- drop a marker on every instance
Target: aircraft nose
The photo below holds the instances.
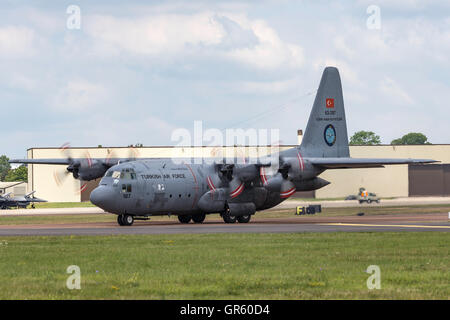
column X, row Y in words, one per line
column 101, row 196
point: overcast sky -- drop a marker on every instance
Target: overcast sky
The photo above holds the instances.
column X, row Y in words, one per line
column 134, row 72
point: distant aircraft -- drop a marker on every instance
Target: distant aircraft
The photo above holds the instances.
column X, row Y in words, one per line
column 7, row 202
column 137, row 189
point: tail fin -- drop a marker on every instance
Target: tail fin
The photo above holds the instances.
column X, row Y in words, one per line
column 29, row 194
column 326, row 131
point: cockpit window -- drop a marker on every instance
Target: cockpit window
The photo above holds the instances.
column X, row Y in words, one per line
column 116, row 174
column 112, row 173
column 127, row 173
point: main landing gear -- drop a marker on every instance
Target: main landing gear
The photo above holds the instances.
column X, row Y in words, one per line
column 227, row 218
column 125, row 219
column 196, row 218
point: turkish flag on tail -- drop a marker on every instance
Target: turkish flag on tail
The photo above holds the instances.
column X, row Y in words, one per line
column 329, row 102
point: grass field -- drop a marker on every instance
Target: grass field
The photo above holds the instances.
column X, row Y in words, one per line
column 227, row 266
column 50, row 205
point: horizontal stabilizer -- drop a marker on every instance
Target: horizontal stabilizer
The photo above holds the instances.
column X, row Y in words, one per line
column 344, row 163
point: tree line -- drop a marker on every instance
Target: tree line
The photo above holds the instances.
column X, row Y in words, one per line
column 7, row 174
column 370, row 138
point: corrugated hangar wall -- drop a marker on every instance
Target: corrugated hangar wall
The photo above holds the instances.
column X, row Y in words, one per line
column 51, row 183
column 430, row 180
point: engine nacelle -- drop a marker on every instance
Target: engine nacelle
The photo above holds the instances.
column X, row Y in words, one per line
column 87, row 169
column 311, row 184
column 213, row 201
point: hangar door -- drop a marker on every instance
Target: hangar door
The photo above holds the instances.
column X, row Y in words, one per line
column 86, row 192
column 429, row 180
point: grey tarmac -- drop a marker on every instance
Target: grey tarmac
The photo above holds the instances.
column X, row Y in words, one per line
column 382, row 223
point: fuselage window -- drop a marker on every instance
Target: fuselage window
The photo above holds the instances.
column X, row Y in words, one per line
column 126, row 188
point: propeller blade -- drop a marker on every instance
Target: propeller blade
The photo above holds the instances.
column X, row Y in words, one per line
column 109, row 157
column 287, row 189
column 60, row 176
column 213, row 182
column 133, row 154
column 225, row 180
column 88, row 159
column 83, row 186
column 236, row 187
column 279, row 182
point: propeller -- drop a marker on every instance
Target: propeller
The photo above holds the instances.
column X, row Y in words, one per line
column 232, row 178
column 281, row 181
column 87, row 168
column 61, row 175
column 235, row 184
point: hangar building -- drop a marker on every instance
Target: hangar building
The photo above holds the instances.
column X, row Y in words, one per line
column 14, row 188
column 51, row 182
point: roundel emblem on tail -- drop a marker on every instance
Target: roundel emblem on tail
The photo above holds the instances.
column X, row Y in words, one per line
column 329, row 135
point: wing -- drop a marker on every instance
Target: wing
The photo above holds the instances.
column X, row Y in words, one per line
column 109, row 162
column 42, row 161
column 346, row 163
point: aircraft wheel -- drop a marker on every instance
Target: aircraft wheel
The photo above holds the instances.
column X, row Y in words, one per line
column 369, row 201
column 244, row 219
column 198, row 218
column 128, row 220
column 119, row 219
column 184, row 218
column 227, row 218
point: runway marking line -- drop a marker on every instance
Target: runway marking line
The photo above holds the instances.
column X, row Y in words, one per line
column 384, row 225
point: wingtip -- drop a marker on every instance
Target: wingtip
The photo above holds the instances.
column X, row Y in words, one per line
column 426, row 161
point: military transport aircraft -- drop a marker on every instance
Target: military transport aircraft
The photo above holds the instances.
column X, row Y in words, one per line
column 139, row 188
column 7, row 202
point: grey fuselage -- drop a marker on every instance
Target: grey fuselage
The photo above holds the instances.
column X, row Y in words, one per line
column 161, row 187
